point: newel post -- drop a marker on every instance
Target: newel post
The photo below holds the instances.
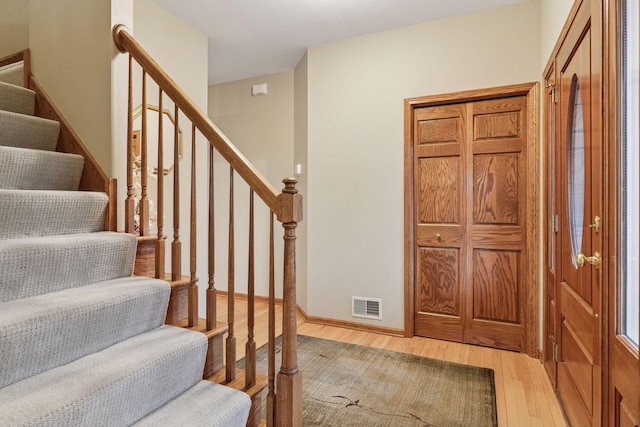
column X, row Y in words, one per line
column 289, row 379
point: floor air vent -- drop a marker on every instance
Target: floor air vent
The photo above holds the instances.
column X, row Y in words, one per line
column 369, row 308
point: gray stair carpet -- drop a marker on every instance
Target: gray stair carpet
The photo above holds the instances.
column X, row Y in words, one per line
column 82, row 341
column 13, row 73
column 49, row 330
column 114, row 387
column 194, row 407
column 37, row 265
column 56, row 171
column 18, row 130
column 46, row 213
column 17, row 99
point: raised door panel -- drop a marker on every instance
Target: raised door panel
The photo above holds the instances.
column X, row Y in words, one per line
column 496, row 288
column 495, row 189
column 439, row 281
column 438, row 194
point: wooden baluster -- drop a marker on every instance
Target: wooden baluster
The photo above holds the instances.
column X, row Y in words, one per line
column 289, row 380
column 193, row 289
column 143, row 205
column 250, row 348
column 231, row 339
column 271, row 396
column 176, row 245
column 129, row 203
column 211, row 290
column 160, row 213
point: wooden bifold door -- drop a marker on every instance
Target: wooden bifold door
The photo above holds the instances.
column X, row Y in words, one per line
column 472, row 206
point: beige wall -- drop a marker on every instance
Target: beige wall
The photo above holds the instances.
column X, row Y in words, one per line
column 182, row 52
column 14, row 26
column 71, row 51
column 355, row 141
column 301, row 131
column 262, row 128
column 553, row 14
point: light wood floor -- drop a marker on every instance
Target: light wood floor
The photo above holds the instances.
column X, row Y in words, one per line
column 523, row 392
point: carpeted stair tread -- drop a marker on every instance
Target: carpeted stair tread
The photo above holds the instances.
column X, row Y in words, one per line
column 50, row 330
column 17, row 99
column 19, row 130
column 38, row 265
column 55, row 171
column 46, row 213
column 204, row 405
column 13, row 73
column 114, row 387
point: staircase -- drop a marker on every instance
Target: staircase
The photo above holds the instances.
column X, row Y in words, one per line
column 82, row 340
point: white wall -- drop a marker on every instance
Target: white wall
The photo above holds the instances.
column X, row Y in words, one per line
column 356, row 89
column 181, row 51
column 14, row 26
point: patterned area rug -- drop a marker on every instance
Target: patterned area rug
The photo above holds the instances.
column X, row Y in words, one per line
column 351, row 385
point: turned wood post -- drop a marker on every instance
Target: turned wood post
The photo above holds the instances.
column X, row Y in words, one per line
column 129, row 203
column 289, row 379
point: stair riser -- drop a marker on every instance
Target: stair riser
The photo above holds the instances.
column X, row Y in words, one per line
column 13, row 73
column 17, row 99
column 56, row 171
column 204, row 405
column 36, row 266
column 44, row 332
column 117, row 386
column 49, row 213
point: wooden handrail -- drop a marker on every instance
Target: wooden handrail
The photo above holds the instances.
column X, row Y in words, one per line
column 285, row 388
column 126, row 43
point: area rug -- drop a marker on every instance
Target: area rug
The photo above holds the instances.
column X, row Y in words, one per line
column 352, row 385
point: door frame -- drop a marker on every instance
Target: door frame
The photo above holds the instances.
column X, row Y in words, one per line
column 621, row 397
column 532, row 230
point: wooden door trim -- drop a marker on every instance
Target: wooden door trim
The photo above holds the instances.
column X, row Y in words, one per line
column 531, row 91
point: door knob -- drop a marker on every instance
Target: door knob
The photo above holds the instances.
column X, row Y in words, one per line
column 595, row 260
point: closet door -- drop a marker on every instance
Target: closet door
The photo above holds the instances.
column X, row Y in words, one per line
column 440, row 210
column 470, row 180
column 496, row 203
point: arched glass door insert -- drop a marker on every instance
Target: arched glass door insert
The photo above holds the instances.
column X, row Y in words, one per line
column 576, row 175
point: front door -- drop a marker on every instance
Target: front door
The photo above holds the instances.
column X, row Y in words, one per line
column 473, row 180
column 580, row 224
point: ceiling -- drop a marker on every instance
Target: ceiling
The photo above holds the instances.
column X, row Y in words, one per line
column 249, row 38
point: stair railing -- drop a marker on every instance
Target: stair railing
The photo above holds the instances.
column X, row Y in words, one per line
column 284, row 399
